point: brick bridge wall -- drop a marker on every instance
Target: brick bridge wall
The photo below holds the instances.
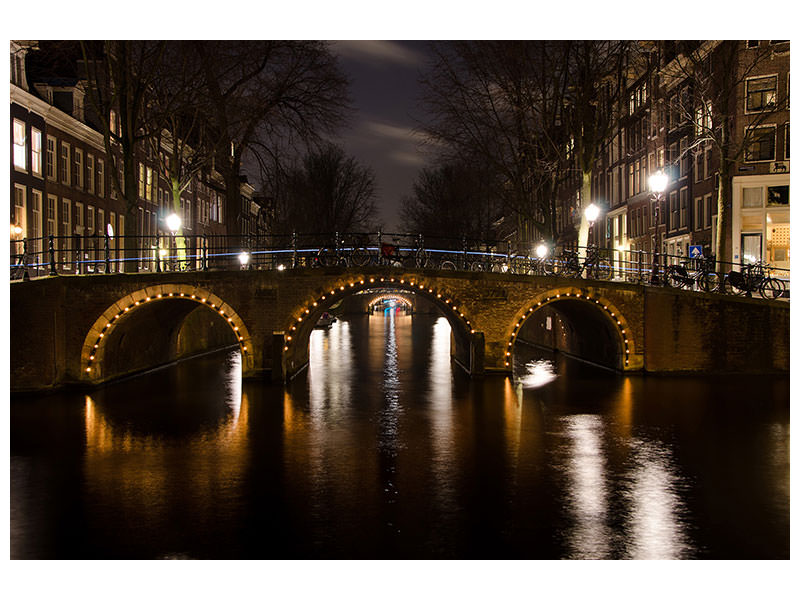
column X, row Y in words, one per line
column 89, row 329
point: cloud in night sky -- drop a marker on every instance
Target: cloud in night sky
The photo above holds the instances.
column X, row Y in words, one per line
column 377, row 52
column 386, row 93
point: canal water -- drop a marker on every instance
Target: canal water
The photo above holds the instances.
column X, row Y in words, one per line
column 383, row 448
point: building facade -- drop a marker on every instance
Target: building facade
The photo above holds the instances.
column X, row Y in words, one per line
column 61, row 185
column 663, row 124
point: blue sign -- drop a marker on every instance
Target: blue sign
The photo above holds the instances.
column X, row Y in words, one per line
column 695, row 252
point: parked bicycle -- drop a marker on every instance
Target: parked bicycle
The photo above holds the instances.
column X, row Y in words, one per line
column 754, row 277
column 394, row 255
column 704, row 276
column 594, row 266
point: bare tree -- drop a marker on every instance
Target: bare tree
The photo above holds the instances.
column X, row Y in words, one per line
column 328, row 192
column 265, row 92
column 120, row 75
column 452, row 200
column 596, row 81
column 181, row 146
column 502, row 103
column 717, row 73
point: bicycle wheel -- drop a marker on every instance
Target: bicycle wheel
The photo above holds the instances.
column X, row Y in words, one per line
column 772, row 288
column 447, row 265
column 710, row 282
column 422, row 258
column 545, row 267
column 673, row 278
column 603, row 270
column 476, row 266
column 359, row 257
column 325, row 257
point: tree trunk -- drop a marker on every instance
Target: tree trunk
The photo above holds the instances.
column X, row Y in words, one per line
column 180, row 240
column 583, row 229
column 724, row 248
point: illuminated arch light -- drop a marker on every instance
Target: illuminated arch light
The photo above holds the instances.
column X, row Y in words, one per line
column 621, row 327
column 306, row 310
column 139, row 297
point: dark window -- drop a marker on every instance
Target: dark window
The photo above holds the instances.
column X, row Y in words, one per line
column 762, row 144
column 778, row 195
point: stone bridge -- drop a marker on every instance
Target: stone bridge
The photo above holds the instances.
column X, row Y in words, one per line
column 91, row 329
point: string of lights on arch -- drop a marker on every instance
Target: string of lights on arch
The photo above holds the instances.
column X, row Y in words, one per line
column 361, row 284
column 623, row 330
column 232, row 319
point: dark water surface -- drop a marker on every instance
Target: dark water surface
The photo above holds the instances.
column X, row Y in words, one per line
column 384, row 449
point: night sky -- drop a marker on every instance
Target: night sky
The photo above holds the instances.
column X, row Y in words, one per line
column 385, row 90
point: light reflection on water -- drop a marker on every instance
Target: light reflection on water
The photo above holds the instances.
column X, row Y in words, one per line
column 587, row 495
column 537, row 373
column 383, row 448
column 654, row 529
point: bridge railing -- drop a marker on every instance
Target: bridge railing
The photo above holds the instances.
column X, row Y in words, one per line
column 99, row 254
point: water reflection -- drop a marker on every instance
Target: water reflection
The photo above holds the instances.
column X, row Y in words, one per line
column 384, row 449
column 654, row 527
column 537, row 373
column 587, row 496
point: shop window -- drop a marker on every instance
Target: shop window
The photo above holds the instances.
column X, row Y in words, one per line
column 751, row 247
column 777, row 248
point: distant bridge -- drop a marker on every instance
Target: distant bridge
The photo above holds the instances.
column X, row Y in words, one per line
column 92, row 329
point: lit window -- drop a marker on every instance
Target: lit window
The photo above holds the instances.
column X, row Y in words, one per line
column 36, row 151
column 20, row 145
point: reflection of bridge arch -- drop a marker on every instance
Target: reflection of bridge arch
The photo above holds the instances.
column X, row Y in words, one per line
column 304, row 317
column 599, row 319
column 121, row 316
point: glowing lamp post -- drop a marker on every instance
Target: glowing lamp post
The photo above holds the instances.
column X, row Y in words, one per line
column 658, row 183
column 174, row 224
column 244, row 258
column 541, row 251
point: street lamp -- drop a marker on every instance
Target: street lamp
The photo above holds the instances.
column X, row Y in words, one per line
column 658, row 183
column 541, row 250
column 174, row 224
column 244, row 258
column 591, row 212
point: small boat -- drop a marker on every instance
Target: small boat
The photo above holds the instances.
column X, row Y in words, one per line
column 325, row 321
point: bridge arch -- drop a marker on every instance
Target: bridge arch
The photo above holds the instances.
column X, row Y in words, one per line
column 405, row 302
column 304, row 317
column 121, row 316
column 594, row 312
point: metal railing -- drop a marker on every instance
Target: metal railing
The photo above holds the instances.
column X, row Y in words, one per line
column 100, row 254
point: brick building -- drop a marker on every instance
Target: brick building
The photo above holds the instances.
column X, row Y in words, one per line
column 61, row 184
column 656, row 131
